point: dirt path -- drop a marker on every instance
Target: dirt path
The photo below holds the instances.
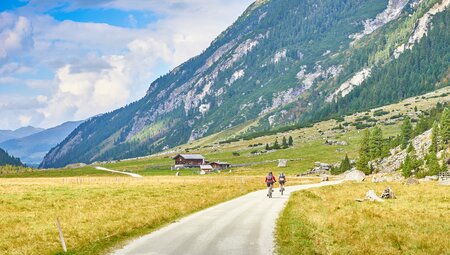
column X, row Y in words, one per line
column 117, row 172
column 244, row 225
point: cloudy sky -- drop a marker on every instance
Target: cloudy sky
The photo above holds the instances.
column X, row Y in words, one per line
column 66, row 60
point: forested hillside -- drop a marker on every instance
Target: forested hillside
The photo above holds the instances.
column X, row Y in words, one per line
column 283, row 63
column 6, row 159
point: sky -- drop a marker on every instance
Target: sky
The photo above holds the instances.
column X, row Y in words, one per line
column 64, row 60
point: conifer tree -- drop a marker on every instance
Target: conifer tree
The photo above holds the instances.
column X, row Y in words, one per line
column 276, row 145
column 376, row 143
column 445, row 126
column 434, row 138
column 284, row 143
column 432, row 164
column 364, row 153
column 406, row 132
column 345, row 164
column 444, row 166
column 291, row 141
column 407, row 166
column 267, row 147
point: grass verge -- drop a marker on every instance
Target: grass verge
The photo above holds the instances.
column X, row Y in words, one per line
column 329, row 221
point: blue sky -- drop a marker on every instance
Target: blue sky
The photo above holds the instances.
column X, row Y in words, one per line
column 68, row 60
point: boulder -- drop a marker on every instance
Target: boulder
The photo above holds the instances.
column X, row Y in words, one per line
column 372, row 196
column 411, row 181
column 388, row 193
column 354, row 175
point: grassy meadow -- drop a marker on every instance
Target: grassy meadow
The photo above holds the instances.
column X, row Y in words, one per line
column 329, row 221
column 99, row 210
column 97, row 213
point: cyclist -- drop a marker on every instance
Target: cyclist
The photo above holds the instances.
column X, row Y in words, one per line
column 282, row 181
column 270, row 180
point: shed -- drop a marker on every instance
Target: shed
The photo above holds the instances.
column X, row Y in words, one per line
column 220, row 165
column 206, row 168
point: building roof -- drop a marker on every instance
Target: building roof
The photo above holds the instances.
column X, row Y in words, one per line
column 220, row 163
column 190, row 156
column 206, row 167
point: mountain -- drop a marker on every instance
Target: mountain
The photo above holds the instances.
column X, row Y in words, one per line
column 6, row 159
column 32, row 149
column 282, row 63
column 18, row 133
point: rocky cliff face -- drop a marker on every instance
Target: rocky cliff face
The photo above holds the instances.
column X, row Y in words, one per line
column 279, row 60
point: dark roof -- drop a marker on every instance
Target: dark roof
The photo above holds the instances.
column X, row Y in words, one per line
column 190, row 156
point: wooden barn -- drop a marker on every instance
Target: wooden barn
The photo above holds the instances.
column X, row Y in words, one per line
column 220, row 165
column 189, row 160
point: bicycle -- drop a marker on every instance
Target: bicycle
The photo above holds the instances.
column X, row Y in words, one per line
column 281, row 188
column 270, row 191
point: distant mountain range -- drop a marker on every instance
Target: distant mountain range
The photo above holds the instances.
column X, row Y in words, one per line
column 32, row 148
column 282, row 63
column 18, row 133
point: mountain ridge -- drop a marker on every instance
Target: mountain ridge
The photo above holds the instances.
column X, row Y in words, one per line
column 32, row 149
column 279, row 62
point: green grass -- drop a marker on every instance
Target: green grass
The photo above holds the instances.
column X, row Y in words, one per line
column 63, row 172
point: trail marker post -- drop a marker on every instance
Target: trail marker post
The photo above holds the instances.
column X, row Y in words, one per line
column 61, row 236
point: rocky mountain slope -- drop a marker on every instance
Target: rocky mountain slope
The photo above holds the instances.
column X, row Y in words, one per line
column 32, row 149
column 282, row 62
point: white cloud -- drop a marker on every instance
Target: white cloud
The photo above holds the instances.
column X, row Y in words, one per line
column 98, row 67
column 15, row 34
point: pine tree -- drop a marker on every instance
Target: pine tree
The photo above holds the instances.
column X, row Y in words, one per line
column 376, row 143
column 407, row 166
column 444, row 166
column 284, row 143
column 406, row 132
column 364, row 153
column 434, row 138
column 445, row 126
column 267, row 147
column 276, row 145
column 345, row 164
column 291, row 141
column 432, row 164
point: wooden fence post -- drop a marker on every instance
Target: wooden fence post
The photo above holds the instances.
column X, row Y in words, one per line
column 61, row 236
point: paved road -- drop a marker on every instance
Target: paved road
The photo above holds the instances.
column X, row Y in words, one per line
column 117, row 172
column 244, row 225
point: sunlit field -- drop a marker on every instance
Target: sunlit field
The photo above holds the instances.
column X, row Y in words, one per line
column 329, row 221
column 97, row 213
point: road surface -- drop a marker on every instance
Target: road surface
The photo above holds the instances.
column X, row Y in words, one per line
column 244, row 225
column 117, row 172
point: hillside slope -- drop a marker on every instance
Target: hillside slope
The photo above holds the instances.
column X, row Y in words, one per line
column 282, row 62
column 6, row 159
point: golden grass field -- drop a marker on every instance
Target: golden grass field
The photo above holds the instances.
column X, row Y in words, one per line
column 330, row 221
column 97, row 214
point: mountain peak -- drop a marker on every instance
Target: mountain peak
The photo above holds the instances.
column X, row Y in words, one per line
column 287, row 62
